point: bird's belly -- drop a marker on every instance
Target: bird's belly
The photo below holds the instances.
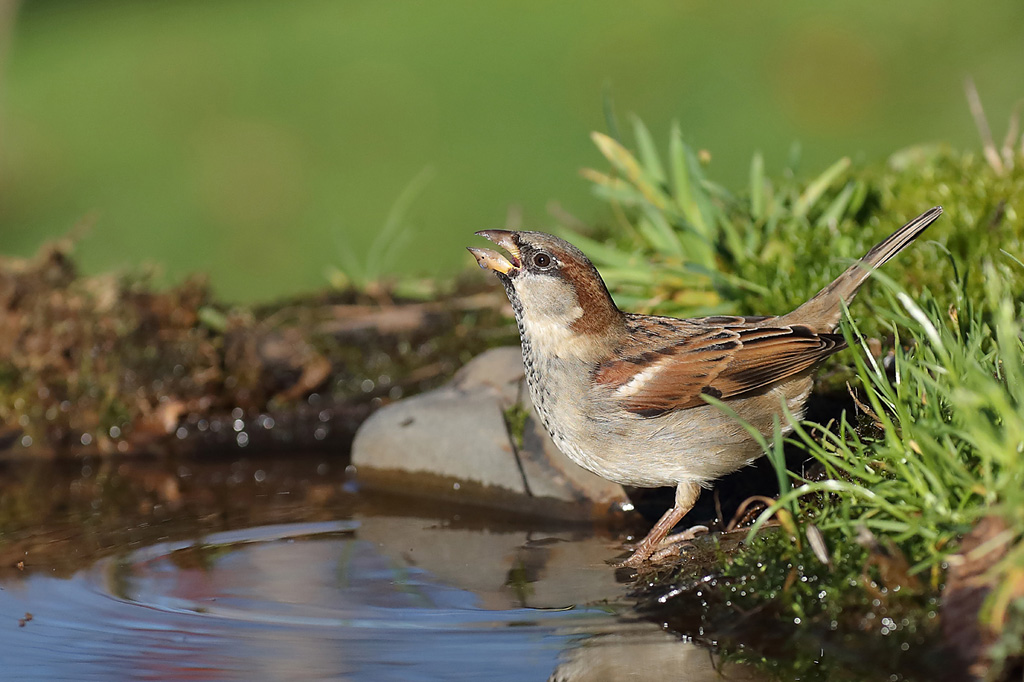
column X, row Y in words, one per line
column 699, row 444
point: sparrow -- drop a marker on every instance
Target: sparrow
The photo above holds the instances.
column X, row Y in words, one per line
column 625, row 395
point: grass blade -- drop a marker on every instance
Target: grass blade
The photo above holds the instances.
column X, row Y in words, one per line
column 757, row 187
column 648, row 152
column 810, row 196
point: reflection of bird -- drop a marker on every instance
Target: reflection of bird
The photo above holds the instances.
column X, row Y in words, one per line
column 642, row 651
column 623, row 394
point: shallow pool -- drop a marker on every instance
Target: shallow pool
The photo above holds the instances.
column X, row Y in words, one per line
column 331, row 584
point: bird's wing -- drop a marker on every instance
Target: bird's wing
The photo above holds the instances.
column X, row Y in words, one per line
column 669, row 364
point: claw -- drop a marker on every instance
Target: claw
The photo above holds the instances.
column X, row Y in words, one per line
column 668, row 547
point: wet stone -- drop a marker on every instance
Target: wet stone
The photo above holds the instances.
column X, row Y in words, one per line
column 478, row 440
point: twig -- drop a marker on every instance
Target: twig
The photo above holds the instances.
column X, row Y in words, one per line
column 718, row 510
column 862, row 407
column 740, row 511
column 978, row 112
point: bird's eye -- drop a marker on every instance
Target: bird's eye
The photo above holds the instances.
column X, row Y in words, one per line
column 542, row 260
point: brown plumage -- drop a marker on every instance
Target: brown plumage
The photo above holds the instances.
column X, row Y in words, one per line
column 625, row 395
column 722, row 357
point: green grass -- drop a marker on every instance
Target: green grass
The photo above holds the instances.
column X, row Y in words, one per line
column 936, row 352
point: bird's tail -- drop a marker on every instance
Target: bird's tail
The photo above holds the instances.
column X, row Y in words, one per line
column 822, row 312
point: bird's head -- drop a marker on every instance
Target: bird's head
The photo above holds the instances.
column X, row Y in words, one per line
column 553, row 286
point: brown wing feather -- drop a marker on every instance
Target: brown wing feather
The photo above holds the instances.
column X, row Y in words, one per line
column 722, row 357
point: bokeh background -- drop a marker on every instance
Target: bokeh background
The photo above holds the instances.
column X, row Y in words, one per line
column 265, row 141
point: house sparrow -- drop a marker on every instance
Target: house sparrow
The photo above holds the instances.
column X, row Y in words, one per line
column 623, row 394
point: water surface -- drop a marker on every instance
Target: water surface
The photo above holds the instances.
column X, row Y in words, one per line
column 253, row 570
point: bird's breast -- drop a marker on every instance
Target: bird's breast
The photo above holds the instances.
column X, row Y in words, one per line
column 558, row 383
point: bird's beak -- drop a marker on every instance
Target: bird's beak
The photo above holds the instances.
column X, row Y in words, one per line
column 489, row 259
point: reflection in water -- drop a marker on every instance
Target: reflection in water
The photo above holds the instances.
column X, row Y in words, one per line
column 506, row 569
column 641, row 651
column 382, row 591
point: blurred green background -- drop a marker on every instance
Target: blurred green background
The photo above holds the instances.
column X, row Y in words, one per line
column 264, row 141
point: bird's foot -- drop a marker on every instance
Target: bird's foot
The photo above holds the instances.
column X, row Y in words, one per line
column 635, row 560
column 671, row 546
column 657, row 552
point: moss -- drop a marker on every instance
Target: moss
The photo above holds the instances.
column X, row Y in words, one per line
column 515, row 420
column 111, row 364
column 776, row 605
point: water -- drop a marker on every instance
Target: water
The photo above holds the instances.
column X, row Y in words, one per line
column 230, row 575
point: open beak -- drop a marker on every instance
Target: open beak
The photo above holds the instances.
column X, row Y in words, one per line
column 489, row 259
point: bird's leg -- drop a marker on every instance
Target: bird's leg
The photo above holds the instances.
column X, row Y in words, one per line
column 686, row 496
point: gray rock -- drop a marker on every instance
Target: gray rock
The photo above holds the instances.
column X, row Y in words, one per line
column 455, row 442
